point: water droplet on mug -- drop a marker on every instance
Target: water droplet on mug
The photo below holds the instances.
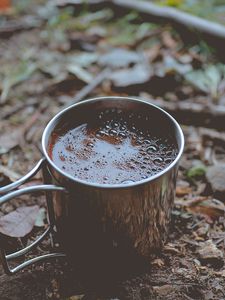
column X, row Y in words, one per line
column 101, row 132
column 151, row 149
column 62, row 157
column 122, row 134
column 139, row 142
column 127, row 181
column 148, row 142
column 113, row 132
column 158, row 160
column 123, row 147
column 168, row 160
column 90, row 144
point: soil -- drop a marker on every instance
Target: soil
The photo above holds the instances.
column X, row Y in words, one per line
column 38, row 80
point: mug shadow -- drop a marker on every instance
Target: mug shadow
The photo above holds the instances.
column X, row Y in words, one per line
column 102, row 277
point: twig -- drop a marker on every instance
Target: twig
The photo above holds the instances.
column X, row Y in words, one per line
column 18, row 107
column 191, row 202
column 212, row 135
column 173, row 14
column 11, row 27
column 189, row 113
column 83, row 93
column 189, row 242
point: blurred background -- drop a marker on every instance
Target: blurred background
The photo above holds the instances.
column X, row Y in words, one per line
column 168, row 52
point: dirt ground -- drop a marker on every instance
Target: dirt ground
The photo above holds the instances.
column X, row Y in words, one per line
column 48, row 54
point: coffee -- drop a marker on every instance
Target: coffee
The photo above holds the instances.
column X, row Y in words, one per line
column 114, row 147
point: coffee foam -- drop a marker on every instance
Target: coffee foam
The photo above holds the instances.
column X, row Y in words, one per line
column 115, row 148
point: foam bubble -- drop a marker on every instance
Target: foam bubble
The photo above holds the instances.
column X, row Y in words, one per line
column 127, row 181
column 151, row 149
column 158, row 160
column 117, row 150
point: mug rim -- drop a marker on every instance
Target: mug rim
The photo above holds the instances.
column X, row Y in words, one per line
column 45, row 139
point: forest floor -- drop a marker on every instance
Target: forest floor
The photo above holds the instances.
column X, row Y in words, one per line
column 49, row 53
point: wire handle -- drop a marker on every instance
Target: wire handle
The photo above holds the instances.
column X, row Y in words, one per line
column 11, row 195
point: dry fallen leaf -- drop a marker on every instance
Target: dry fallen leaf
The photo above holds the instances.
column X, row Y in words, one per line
column 7, row 172
column 19, row 222
column 183, row 190
column 168, row 40
column 5, row 5
column 9, row 140
column 120, row 58
column 41, row 216
column 139, row 74
column 220, row 273
column 208, row 252
column 211, row 209
column 76, row 297
column 158, row 262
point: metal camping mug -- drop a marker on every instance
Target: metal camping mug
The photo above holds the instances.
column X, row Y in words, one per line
column 101, row 222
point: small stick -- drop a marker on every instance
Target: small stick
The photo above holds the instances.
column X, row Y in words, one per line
column 83, row 93
column 173, row 14
column 18, row 107
column 196, row 114
column 12, row 27
column 212, row 135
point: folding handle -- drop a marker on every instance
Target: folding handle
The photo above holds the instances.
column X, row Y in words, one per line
column 11, row 195
column 12, row 186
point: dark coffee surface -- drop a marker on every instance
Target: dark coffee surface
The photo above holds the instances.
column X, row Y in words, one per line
column 113, row 148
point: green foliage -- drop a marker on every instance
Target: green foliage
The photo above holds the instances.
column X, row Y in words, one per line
column 64, row 19
column 209, row 9
column 14, row 75
column 61, row 18
column 23, row 6
column 126, row 30
column 208, row 80
column 196, row 172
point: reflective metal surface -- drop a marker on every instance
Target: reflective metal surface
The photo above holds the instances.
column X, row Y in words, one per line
column 25, row 178
column 5, row 258
column 102, row 226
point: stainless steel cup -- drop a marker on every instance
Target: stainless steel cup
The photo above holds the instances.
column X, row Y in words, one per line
column 102, row 225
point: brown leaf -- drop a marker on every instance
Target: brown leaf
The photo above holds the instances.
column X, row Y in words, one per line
column 183, row 190
column 7, row 172
column 168, row 40
column 209, row 253
column 76, row 297
column 9, row 140
column 19, row 222
column 158, row 262
column 119, row 58
column 5, row 5
column 153, row 53
column 139, row 74
column 209, row 208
